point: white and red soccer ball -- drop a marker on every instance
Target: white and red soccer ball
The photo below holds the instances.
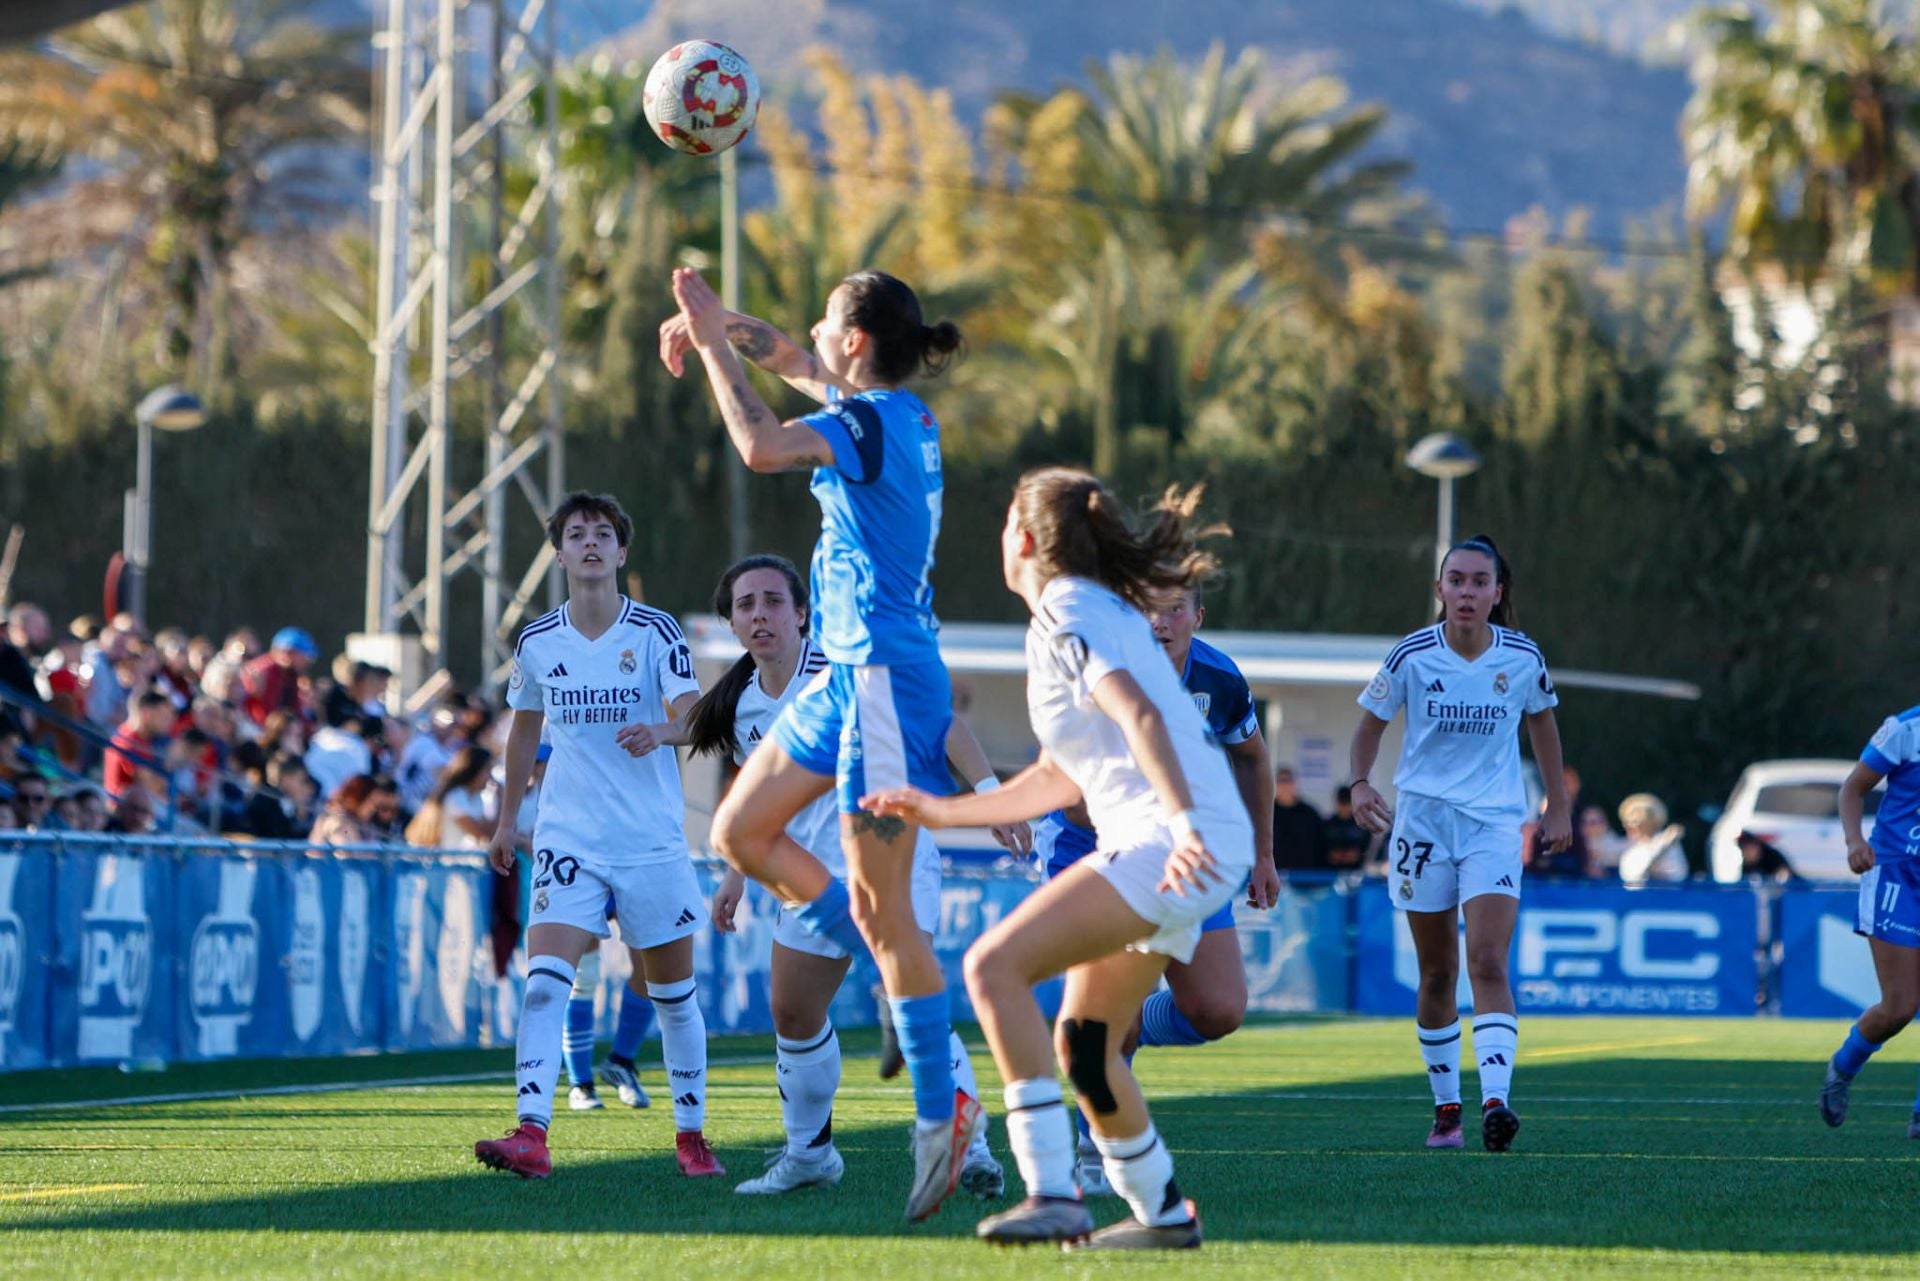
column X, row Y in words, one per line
column 701, row 97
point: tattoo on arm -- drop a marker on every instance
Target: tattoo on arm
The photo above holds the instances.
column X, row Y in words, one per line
column 751, row 339
column 887, row 829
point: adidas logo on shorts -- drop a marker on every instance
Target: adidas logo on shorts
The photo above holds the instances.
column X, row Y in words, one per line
column 686, row 917
column 559, row 670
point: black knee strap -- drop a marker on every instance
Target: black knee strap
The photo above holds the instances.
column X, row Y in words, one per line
column 1087, row 1063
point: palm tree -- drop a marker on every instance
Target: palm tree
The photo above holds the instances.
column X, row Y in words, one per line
column 209, row 127
column 1805, row 124
column 1153, row 191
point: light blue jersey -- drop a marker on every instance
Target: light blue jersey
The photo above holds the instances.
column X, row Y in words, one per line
column 1895, row 752
column 879, row 520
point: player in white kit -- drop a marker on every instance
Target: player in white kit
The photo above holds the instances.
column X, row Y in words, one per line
column 1466, row 683
column 607, row 678
column 764, row 600
column 1117, row 728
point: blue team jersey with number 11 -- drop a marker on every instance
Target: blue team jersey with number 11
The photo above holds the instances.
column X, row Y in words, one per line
column 879, row 520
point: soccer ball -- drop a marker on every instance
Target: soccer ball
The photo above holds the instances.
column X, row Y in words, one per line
column 701, row 97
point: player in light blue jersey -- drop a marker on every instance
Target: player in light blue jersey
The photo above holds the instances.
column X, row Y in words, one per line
column 877, row 717
column 1889, row 915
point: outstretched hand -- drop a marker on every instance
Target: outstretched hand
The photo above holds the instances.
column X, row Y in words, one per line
column 909, row 803
column 706, row 319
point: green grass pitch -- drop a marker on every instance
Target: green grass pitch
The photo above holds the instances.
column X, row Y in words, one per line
column 1650, row 1148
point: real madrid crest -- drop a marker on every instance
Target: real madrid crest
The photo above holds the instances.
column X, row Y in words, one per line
column 1406, row 888
column 540, row 902
column 1500, row 683
column 628, row 663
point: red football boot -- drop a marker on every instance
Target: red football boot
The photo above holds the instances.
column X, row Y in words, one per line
column 695, row 1154
column 523, row 1152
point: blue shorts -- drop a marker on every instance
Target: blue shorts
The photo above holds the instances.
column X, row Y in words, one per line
column 871, row 728
column 1059, row 842
column 1890, row 902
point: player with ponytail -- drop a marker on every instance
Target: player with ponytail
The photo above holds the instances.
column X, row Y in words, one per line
column 1119, row 730
column 1466, row 682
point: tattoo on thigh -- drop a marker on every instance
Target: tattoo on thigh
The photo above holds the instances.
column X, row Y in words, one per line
column 887, row 829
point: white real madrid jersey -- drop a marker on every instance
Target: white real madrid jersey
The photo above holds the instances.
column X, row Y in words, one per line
column 597, row 799
column 817, row 827
column 1080, row 633
column 1463, row 718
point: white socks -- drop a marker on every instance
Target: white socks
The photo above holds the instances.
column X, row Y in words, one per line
column 1041, row 1135
column 1496, row 1037
column 683, row 1044
column 1141, row 1171
column 809, row 1075
column 963, row 1079
column 1440, row 1047
column 542, row 1020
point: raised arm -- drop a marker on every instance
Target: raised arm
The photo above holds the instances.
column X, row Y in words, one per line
column 764, row 443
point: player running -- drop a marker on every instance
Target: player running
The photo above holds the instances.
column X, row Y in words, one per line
column 1205, row 998
column 879, row 716
column 601, row 673
column 1889, row 915
column 765, row 602
column 1466, row 682
column 1117, row 728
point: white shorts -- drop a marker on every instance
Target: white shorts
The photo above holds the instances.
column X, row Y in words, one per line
column 1136, row 872
column 1439, row 857
column 789, row 933
column 656, row 902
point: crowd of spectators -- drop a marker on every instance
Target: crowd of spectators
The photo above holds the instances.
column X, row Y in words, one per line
column 1646, row 849
column 107, row 728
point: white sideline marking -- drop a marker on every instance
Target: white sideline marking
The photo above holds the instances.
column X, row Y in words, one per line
column 325, row 1087
column 1547, row 1099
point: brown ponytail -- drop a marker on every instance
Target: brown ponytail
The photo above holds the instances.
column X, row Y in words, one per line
column 1080, row 528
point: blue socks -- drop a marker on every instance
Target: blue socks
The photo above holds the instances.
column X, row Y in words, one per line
column 1162, row 1023
column 1853, row 1052
column 925, row 1028
column 831, row 917
column 580, row 1041
column 636, row 1017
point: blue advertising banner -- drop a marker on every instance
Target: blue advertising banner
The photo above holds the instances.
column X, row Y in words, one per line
column 1590, row 949
column 440, row 970
column 27, row 952
column 117, row 956
column 1826, row 970
column 330, row 909
column 228, row 1002
column 1296, row 954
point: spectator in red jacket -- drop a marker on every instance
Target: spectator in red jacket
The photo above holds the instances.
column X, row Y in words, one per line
column 139, row 744
column 272, row 682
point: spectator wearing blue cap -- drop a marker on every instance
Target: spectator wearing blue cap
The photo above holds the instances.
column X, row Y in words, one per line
column 275, row 681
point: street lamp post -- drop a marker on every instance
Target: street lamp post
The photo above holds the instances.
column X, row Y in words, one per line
column 1446, row 458
column 169, row 408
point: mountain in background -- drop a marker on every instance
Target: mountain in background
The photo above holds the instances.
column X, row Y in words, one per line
column 1497, row 111
column 1496, row 115
column 1642, row 29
